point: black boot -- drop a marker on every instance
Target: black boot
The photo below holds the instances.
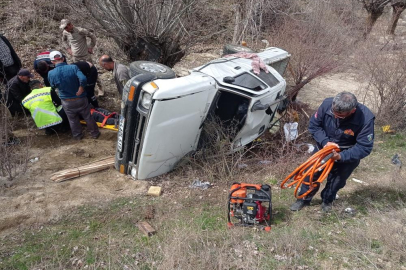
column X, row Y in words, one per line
column 298, row 205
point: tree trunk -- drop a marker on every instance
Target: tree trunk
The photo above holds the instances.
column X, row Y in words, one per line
column 371, row 20
column 238, row 16
column 397, row 9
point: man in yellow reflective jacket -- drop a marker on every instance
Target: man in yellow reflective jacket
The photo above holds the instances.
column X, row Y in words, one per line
column 46, row 110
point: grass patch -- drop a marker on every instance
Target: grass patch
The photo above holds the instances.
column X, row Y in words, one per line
column 393, row 142
column 192, row 233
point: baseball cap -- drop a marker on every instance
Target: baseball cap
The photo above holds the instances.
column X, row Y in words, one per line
column 25, row 72
column 55, row 55
column 64, row 23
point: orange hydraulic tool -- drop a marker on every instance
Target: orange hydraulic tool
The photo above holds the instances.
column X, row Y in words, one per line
column 320, row 161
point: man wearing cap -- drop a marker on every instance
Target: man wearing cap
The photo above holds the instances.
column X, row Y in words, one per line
column 74, row 40
column 42, row 65
column 10, row 64
column 17, row 89
column 71, row 82
column 121, row 73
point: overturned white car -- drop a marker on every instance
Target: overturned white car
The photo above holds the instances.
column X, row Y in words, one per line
column 162, row 117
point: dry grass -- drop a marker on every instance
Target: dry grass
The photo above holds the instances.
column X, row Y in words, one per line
column 192, row 231
column 191, row 223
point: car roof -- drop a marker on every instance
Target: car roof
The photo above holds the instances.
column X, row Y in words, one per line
column 233, row 66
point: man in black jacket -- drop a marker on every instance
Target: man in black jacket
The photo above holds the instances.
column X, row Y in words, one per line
column 90, row 71
column 10, row 64
column 17, row 89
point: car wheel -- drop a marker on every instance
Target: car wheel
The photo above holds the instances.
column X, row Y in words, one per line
column 153, row 68
column 231, row 49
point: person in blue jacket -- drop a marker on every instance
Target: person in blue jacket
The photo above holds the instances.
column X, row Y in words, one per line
column 344, row 122
column 71, row 84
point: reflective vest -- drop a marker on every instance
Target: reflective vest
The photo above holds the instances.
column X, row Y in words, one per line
column 43, row 111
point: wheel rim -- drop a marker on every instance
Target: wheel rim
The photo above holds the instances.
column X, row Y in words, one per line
column 152, row 67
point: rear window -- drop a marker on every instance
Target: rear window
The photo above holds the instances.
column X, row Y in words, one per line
column 246, row 80
column 280, row 66
column 268, row 78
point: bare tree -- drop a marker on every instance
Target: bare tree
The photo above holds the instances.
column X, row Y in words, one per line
column 316, row 40
column 156, row 30
column 398, row 6
column 254, row 17
column 14, row 153
column 375, row 9
column 385, row 91
column 248, row 19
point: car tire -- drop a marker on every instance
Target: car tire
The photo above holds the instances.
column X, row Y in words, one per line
column 147, row 67
column 231, row 49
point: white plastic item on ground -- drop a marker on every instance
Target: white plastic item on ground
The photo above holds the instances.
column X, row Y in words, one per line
column 34, row 160
column 359, row 181
column 199, row 184
column 290, row 130
column 265, row 162
column 311, row 148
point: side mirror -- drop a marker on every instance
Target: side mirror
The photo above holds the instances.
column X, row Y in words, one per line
column 228, row 79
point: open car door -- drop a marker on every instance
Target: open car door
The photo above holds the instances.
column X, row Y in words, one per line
column 262, row 108
column 178, row 110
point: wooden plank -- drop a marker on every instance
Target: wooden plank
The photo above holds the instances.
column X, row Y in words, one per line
column 146, row 228
column 96, row 166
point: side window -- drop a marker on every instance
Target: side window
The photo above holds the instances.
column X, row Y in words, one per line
column 268, row 78
column 246, row 80
column 280, row 66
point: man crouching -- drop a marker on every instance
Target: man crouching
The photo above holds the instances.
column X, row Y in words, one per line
column 343, row 122
column 46, row 109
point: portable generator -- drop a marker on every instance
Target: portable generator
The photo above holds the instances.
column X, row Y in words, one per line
column 250, row 205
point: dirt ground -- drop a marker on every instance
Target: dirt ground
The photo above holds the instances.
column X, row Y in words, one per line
column 34, row 199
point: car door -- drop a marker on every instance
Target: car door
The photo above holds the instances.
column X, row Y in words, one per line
column 261, row 109
column 174, row 124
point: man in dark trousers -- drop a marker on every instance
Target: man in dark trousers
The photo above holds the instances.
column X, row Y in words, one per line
column 16, row 90
column 344, row 122
column 42, row 65
column 10, row 64
column 90, row 71
column 71, row 82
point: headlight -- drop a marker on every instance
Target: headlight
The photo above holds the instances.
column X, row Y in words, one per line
column 146, row 100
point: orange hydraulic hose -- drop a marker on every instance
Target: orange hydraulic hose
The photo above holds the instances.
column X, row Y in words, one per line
column 320, row 161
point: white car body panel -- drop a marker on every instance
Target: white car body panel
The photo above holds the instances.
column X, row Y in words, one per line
column 180, row 106
column 177, row 87
column 174, row 125
column 271, row 55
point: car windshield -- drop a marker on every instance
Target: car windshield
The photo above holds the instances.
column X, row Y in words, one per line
column 247, row 80
column 268, row 78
